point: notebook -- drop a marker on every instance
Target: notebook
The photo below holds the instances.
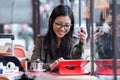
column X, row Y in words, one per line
column 71, row 67
column 105, row 67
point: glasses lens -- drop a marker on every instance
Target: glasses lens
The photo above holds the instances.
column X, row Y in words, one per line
column 60, row 25
column 67, row 26
column 109, row 23
column 118, row 24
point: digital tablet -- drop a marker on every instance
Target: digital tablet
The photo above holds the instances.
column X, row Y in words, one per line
column 105, row 66
column 71, row 67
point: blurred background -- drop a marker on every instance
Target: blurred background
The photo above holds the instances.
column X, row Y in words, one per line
column 28, row 18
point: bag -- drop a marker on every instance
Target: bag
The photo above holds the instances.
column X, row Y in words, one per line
column 6, row 59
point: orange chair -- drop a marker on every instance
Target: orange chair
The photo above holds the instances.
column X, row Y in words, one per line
column 19, row 52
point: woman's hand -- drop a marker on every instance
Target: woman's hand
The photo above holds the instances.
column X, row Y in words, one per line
column 97, row 33
column 83, row 34
column 106, row 28
column 55, row 62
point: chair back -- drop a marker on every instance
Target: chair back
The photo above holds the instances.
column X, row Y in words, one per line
column 19, row 52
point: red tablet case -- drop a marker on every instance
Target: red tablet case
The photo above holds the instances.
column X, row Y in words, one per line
column 105, row 67
column 71, row 67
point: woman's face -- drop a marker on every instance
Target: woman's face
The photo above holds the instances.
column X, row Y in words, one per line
column 61, row 26
column 109, row 21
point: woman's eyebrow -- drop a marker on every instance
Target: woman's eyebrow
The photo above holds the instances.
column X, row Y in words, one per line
column 62, row 22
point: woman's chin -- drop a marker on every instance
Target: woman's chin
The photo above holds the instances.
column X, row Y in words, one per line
column 60, row 35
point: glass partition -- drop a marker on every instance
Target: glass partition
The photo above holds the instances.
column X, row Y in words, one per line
column 16, row 18
column 101, row 18
column 105, row 38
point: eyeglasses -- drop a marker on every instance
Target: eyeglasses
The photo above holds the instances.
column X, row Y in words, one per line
column 109, row 23
column 118, row 24
column 60, row 25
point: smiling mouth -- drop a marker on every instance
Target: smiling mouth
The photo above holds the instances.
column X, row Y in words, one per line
column 60, row 32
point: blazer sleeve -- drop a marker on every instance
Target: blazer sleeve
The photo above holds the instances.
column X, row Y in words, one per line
column 36, row 50
column 77, row 49
column 39, row 52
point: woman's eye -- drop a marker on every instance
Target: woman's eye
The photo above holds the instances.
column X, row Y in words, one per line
column 59, row 24
column 67, row 25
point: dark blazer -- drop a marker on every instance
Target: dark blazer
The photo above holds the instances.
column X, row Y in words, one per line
column 104, row 46
column 39, row 51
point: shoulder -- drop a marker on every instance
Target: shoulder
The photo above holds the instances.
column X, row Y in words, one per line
column 41, row 36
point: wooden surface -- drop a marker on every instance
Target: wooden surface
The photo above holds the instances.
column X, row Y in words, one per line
column 49, row 76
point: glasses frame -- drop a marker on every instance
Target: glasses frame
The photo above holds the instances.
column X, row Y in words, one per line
column 109, row 24
column 60, row 25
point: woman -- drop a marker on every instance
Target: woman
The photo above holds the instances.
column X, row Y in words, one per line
column 59, row 43
column 104, row 46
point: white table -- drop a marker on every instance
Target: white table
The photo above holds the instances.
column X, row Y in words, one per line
column 107, row 77
column 49, row 76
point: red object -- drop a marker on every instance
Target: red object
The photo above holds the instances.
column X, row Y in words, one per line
column 105, row 67
column 19, row 52
column 71, row 67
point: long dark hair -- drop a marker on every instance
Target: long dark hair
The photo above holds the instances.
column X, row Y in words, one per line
column 50, row 40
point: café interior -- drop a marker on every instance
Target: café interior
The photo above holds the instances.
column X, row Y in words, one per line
column 21, row 21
